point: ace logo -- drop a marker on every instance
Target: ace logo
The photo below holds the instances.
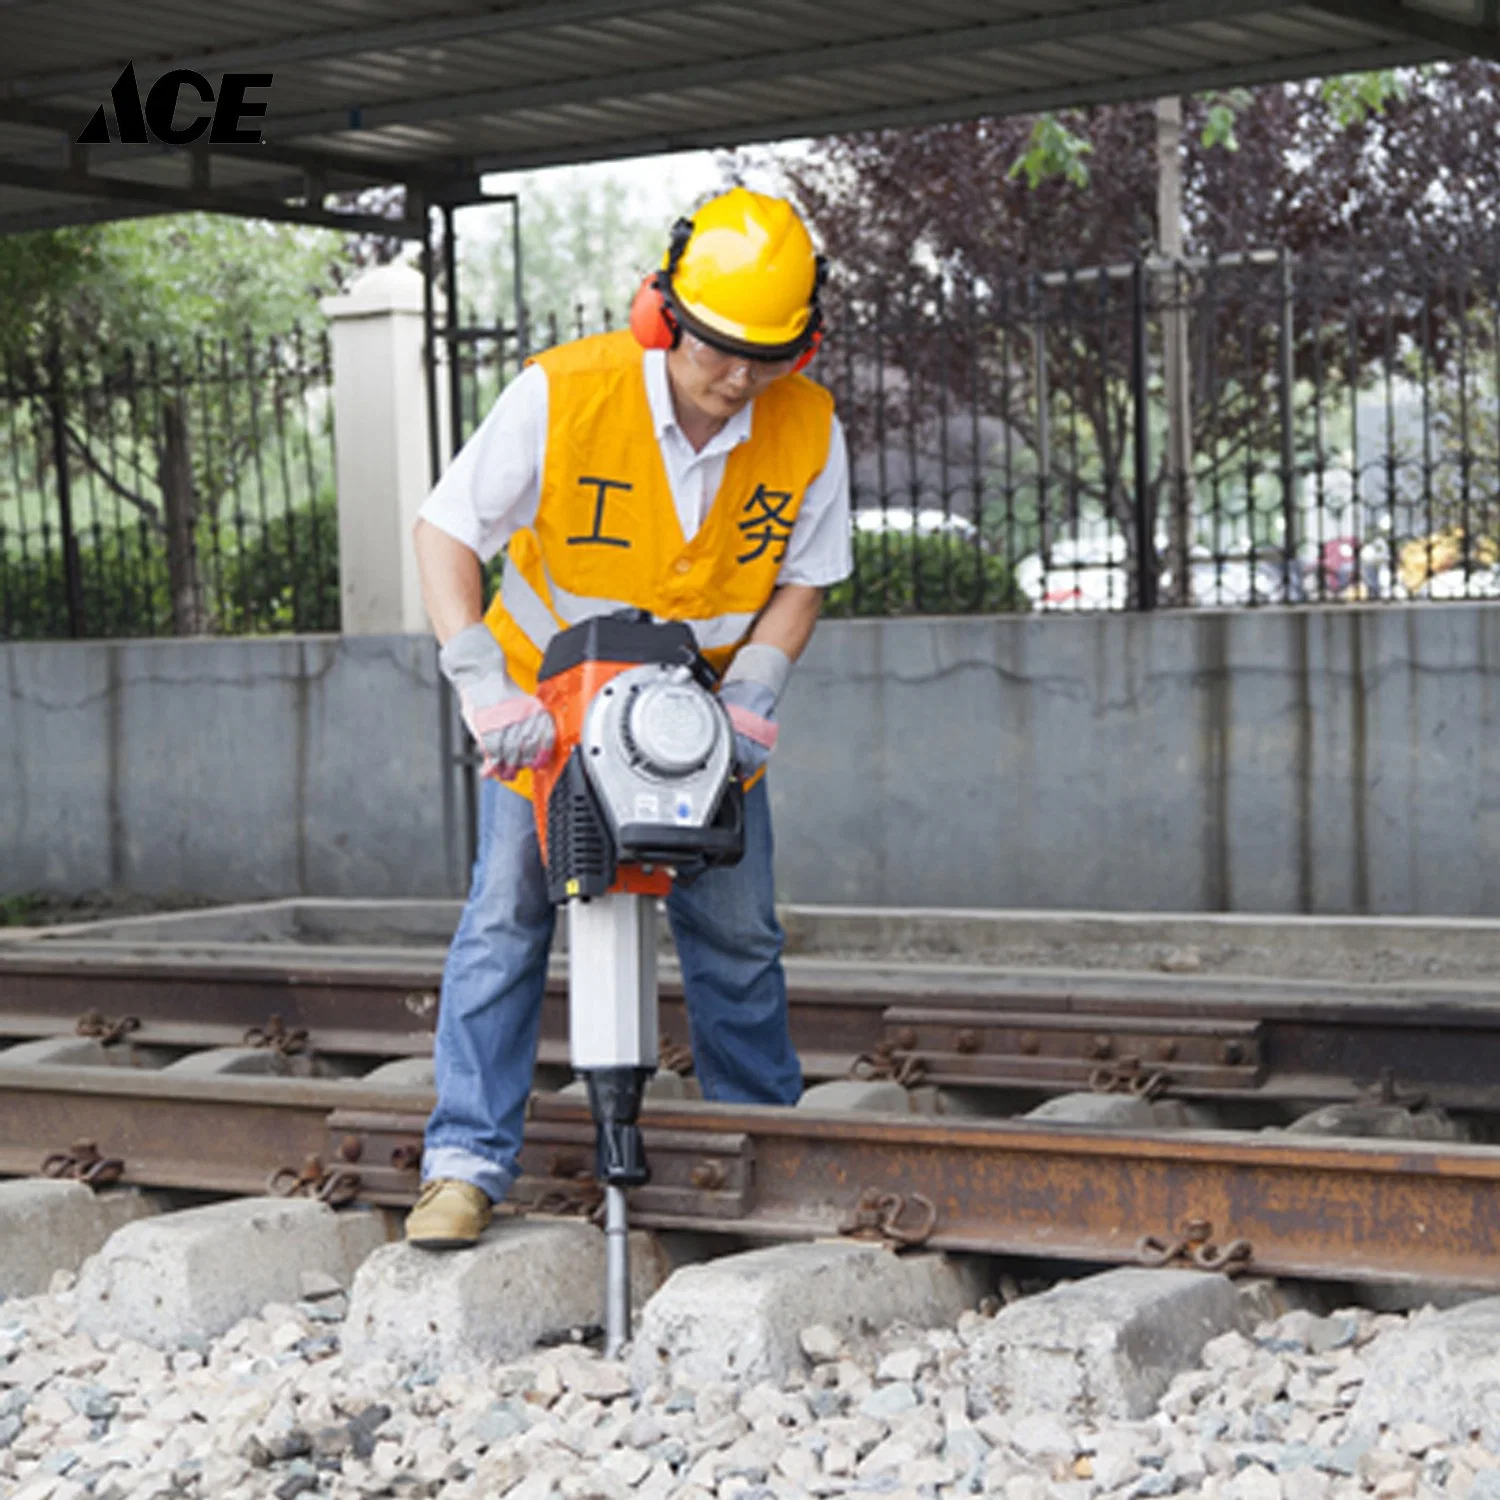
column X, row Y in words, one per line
column 139, row 123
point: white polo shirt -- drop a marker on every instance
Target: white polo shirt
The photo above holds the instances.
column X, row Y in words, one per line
column 492, row 488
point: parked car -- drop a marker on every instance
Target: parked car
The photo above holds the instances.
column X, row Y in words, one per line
column 1233, row 580
column 1091, row 574
column 926, row 522
column 1077, row 573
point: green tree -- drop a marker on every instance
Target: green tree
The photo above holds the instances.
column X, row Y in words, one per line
column 584, row 249
column 166, row 281
column 934, row 228
column 161, row 346
column 38, row 272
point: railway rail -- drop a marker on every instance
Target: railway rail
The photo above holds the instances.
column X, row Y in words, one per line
column 947, row 1025
column 1282, row 1204
column 1352, row 1209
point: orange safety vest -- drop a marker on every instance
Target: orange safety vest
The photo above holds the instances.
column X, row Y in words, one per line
column 606, row 533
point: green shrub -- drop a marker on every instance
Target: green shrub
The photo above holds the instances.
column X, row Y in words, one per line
column 123, row 584
column 896, row 573
column 17, row 911
column 284, row 578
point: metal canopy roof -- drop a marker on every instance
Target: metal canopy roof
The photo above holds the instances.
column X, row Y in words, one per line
column 432, row 95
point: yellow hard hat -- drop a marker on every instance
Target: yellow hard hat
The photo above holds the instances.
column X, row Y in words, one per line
column 743, row 273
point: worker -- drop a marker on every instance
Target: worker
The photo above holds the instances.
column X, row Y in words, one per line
column 684, row 467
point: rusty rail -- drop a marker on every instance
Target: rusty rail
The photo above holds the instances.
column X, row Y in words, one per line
column 1417, row 1211
column 223, row 1134
column 1278, row 1205
column 345, row 1009
column 1194, row 1038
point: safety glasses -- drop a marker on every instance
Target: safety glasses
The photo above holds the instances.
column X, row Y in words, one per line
column 718, row 365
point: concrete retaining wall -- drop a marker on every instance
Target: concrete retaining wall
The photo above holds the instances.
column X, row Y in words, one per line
column 1323, row 760
column 227, row 768
column 1326, row 760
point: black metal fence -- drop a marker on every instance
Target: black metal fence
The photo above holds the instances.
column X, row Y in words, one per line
column 168, row 492
column 1241, row 431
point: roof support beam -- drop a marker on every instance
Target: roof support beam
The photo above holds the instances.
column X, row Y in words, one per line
column 341, row 171
column 602, row 88
column 346, row 42
column 83, row 211
column 1404, row 20
column 1064, row 96
column 185, row 200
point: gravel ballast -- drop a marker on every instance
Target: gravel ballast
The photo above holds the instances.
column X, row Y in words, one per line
column 272, row 1409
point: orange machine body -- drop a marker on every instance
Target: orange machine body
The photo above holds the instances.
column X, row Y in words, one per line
column 567, row 696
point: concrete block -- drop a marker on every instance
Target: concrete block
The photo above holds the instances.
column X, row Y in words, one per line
column 873, row 1095
column 264, row 1062
column 48, row 1226
column 739, row 1317
column 1443, row 1370
column 1103, row 1348
column 884, row 1096
column 189, row 1276
column 1380, row 1121
column 83, row 1052
column 235, row 1062
column 1120, row 1112
column 664, row 1084
column 526, row 1278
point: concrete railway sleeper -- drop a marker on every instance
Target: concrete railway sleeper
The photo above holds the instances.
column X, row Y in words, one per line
column 1281, row 1205
column 1216, row 1037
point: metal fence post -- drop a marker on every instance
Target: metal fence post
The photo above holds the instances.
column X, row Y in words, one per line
column 466, row 758
column 72, row 577
column 1145, row 523
column 450, row 335
column 1286, row 381
column 430, row 350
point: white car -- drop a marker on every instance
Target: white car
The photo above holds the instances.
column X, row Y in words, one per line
column 925, row 522
column 1094, row 574
column 1083, row 573
column 1232, row 582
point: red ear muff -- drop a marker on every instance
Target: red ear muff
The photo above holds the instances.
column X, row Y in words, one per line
column 806, row 357
column 650, row 319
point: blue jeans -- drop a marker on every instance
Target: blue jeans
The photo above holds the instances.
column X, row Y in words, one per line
column 729, row 945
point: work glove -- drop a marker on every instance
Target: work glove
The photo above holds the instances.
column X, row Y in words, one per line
column 511, row 728
column 749, row 691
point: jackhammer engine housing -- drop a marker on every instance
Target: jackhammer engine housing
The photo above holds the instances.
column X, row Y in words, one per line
column 640, row 785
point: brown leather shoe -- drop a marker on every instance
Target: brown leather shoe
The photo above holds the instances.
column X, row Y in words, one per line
column 450, row 1215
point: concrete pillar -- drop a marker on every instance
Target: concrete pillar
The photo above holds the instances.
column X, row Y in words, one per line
column 380, row 438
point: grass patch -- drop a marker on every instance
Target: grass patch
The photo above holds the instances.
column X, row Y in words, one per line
column 17, row 911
